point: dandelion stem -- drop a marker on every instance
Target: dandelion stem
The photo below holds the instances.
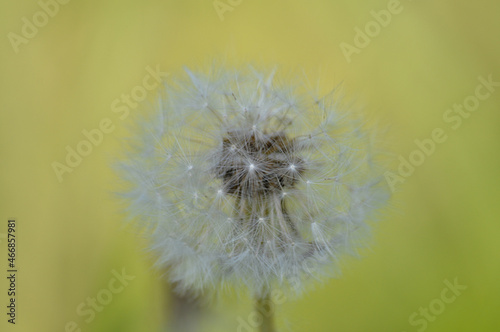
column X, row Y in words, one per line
column 264, row 306
column 185, row 312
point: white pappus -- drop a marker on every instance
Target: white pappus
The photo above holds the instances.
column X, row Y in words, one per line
column 245, row 179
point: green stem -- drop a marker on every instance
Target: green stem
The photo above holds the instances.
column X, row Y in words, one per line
column 265, row 307
column 185, row 312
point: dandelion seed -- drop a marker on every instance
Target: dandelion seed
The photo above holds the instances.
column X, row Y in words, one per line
column 263, row 187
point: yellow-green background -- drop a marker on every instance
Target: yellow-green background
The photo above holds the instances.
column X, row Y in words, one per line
column 442, row 224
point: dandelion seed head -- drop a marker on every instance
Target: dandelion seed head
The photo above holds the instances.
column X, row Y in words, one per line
column 246, row 181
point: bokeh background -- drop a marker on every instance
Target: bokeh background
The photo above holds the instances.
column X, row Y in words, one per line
column 442, row 224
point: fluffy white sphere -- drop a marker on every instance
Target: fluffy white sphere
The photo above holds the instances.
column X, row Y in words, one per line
column 244, row 179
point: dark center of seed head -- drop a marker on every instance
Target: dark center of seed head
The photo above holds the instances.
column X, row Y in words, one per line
column 250, row 165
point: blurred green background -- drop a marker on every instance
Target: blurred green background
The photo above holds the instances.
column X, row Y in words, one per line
column 442, row 224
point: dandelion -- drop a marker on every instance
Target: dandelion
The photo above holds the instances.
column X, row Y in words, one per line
column 249, row 181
